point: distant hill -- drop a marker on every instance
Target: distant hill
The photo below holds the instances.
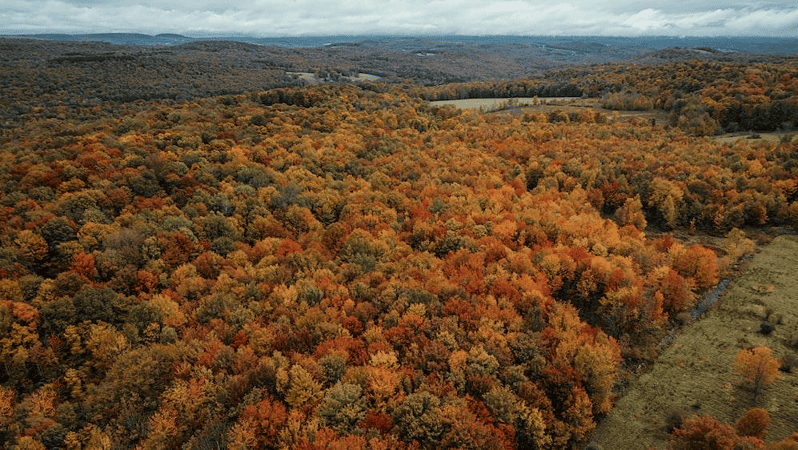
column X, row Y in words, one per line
column 578, row 44
column 78, row 71
column 115, row 38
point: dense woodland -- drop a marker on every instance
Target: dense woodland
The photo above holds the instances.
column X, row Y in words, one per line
column 706, row 92
column 702, row 97
column 340, row 266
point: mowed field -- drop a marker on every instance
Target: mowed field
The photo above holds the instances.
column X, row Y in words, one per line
column 695, row 373
column 492, row 103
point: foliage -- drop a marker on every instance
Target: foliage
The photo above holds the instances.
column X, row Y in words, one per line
column 336, row 266
column 757, row 368
column 753, row 423
column 703, row 432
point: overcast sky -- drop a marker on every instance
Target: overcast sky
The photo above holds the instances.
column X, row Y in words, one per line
column 268, row 18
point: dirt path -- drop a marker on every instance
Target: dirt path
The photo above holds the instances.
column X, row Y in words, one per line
column 695, row 372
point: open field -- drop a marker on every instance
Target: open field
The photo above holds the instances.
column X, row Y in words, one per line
column 756, row 137
column 547, row 105
column 493, row 103
column 695, row 373
column 314, row 79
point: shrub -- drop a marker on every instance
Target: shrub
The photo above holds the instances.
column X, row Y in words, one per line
column 788, row 443
column 787, row 363
column 701, row 433
column 674, row 419
column 683, row 318
column 753, row 423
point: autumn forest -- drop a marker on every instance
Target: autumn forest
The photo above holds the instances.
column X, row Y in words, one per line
column 344, row 265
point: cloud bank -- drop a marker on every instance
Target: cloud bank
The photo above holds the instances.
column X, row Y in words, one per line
column 268, row 18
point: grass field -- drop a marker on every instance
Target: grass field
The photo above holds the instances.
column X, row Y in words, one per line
column 525, row 102
column 695, row 373
column 756, row 137
column 547, row 105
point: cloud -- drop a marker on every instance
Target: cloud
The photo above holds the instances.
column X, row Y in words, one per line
column 327, row 17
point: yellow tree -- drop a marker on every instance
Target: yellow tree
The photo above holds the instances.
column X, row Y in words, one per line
column 32, row 246
column 757, row 367
column 7, row 400
column 631, row 213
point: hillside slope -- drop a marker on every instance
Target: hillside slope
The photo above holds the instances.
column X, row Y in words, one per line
column 695, row 374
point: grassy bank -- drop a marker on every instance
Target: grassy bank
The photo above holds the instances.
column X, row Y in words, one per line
column 695, row 374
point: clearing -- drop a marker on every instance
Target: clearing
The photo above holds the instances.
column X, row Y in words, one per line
column 313, row 78
column 695, row 373
column 548, row 105
column 489, row 104
column 778, row 137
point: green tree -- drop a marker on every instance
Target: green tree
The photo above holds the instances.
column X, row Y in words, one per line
column 419, row 419
column 343, row 407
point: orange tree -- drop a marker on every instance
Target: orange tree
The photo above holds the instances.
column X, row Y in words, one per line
column 757, row 367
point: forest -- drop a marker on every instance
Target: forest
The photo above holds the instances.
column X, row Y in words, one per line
column 347, row 266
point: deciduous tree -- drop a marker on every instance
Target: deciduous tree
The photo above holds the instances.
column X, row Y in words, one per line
column 757, row 367
column 701, row 433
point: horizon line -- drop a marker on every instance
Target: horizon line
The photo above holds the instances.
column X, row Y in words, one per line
column 299, row 36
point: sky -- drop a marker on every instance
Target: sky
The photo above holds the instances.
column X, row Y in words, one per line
column 271, row 18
